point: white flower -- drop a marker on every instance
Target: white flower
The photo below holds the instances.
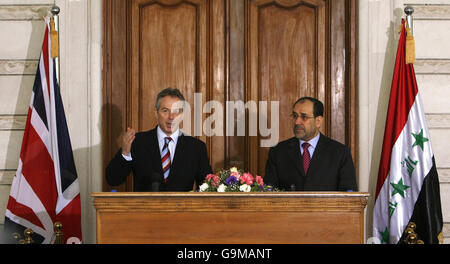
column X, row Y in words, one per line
column 221, row 188
column 245, row 188
column 234, row 169
column 203, row 187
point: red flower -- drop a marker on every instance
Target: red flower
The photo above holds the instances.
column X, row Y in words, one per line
column 246, row 178
column 259, row 180
column 213, row 179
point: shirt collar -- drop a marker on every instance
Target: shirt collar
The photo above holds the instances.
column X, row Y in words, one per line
column 312, row 142
column 161, row 135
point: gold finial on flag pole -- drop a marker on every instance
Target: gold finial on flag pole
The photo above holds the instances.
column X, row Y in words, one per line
column 410, row 43
column 411, row 235
column 58, row 233
column 28, row 233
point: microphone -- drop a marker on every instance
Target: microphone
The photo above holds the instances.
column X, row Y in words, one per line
column 156, row 181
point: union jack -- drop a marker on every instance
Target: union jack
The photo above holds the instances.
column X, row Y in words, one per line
column 45, row 187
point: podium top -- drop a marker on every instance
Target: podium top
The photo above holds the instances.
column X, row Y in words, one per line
column 231, row 194
column 213, row 201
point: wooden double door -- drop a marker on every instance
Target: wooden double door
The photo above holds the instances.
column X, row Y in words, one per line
column 241, row 64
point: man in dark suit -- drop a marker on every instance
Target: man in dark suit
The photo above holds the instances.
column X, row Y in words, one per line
column 310, row 161
column 161, row 157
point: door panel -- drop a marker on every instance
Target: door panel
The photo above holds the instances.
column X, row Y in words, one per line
column 286, row 61
column 169, row 49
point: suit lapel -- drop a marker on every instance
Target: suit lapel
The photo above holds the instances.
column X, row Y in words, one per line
column 294, row 149
column 321, row 145
column 153, row 148
column 178, row 154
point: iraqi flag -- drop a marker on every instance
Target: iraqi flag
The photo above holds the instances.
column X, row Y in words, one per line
column 408, row 184
column 45, row 188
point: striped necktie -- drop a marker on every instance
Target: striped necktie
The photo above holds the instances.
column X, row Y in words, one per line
column 306, row 157
column 165, row 158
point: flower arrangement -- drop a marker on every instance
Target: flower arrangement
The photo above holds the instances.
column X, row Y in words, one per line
column 233, row 180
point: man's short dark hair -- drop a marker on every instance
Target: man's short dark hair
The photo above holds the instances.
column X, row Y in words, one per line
column 173, row 92
column 318, row 105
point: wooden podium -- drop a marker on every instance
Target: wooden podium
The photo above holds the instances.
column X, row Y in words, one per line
column 229, row 218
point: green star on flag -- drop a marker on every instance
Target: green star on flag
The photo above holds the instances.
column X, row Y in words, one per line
column 420, row 139
column 384, row 236
column 399, row 188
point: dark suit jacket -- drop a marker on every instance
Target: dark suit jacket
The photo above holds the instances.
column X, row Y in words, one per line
column 190, row 163
column 331, row 167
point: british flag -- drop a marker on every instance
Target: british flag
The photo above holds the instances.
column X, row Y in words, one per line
column 45, row 188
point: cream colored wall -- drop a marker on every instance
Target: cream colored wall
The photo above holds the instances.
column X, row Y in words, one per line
column 81, row 64
column 378, row 39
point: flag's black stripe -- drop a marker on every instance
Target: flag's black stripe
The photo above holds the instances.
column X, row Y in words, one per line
column 10, row 227
column 66, row 161
column 38, row 101
column 427, row 214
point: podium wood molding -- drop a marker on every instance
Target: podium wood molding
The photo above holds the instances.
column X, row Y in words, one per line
column 231, row 201
column 288, row 217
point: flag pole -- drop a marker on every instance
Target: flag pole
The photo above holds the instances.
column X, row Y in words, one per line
column 410, row 43
column 55, row 13
column 409, row 10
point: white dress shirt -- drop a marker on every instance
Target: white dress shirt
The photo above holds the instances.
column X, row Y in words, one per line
column 312, row 145
column 172, row 144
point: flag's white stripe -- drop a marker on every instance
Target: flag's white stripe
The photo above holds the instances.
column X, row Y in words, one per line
column 69, row 194
column 381, row 211
column 40, row 129
column 46, row 234
column 54, row 127
column 401, row 150
column 16, row 181
column 24, row 194
column 32, row 100
column 44, row 87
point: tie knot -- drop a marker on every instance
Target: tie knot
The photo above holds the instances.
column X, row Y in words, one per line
column 168, row 139
column 306, row 145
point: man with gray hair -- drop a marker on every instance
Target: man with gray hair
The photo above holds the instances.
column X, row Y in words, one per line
column 310, row 161
column 161, row 159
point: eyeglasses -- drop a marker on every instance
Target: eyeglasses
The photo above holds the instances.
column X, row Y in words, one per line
column 303, row 117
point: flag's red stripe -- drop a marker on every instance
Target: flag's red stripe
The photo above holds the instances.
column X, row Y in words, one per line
column 38, row 169
column 70, row 218
column 45, row 58
column 403, row 93
column 25, row 135
column 23, row 211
